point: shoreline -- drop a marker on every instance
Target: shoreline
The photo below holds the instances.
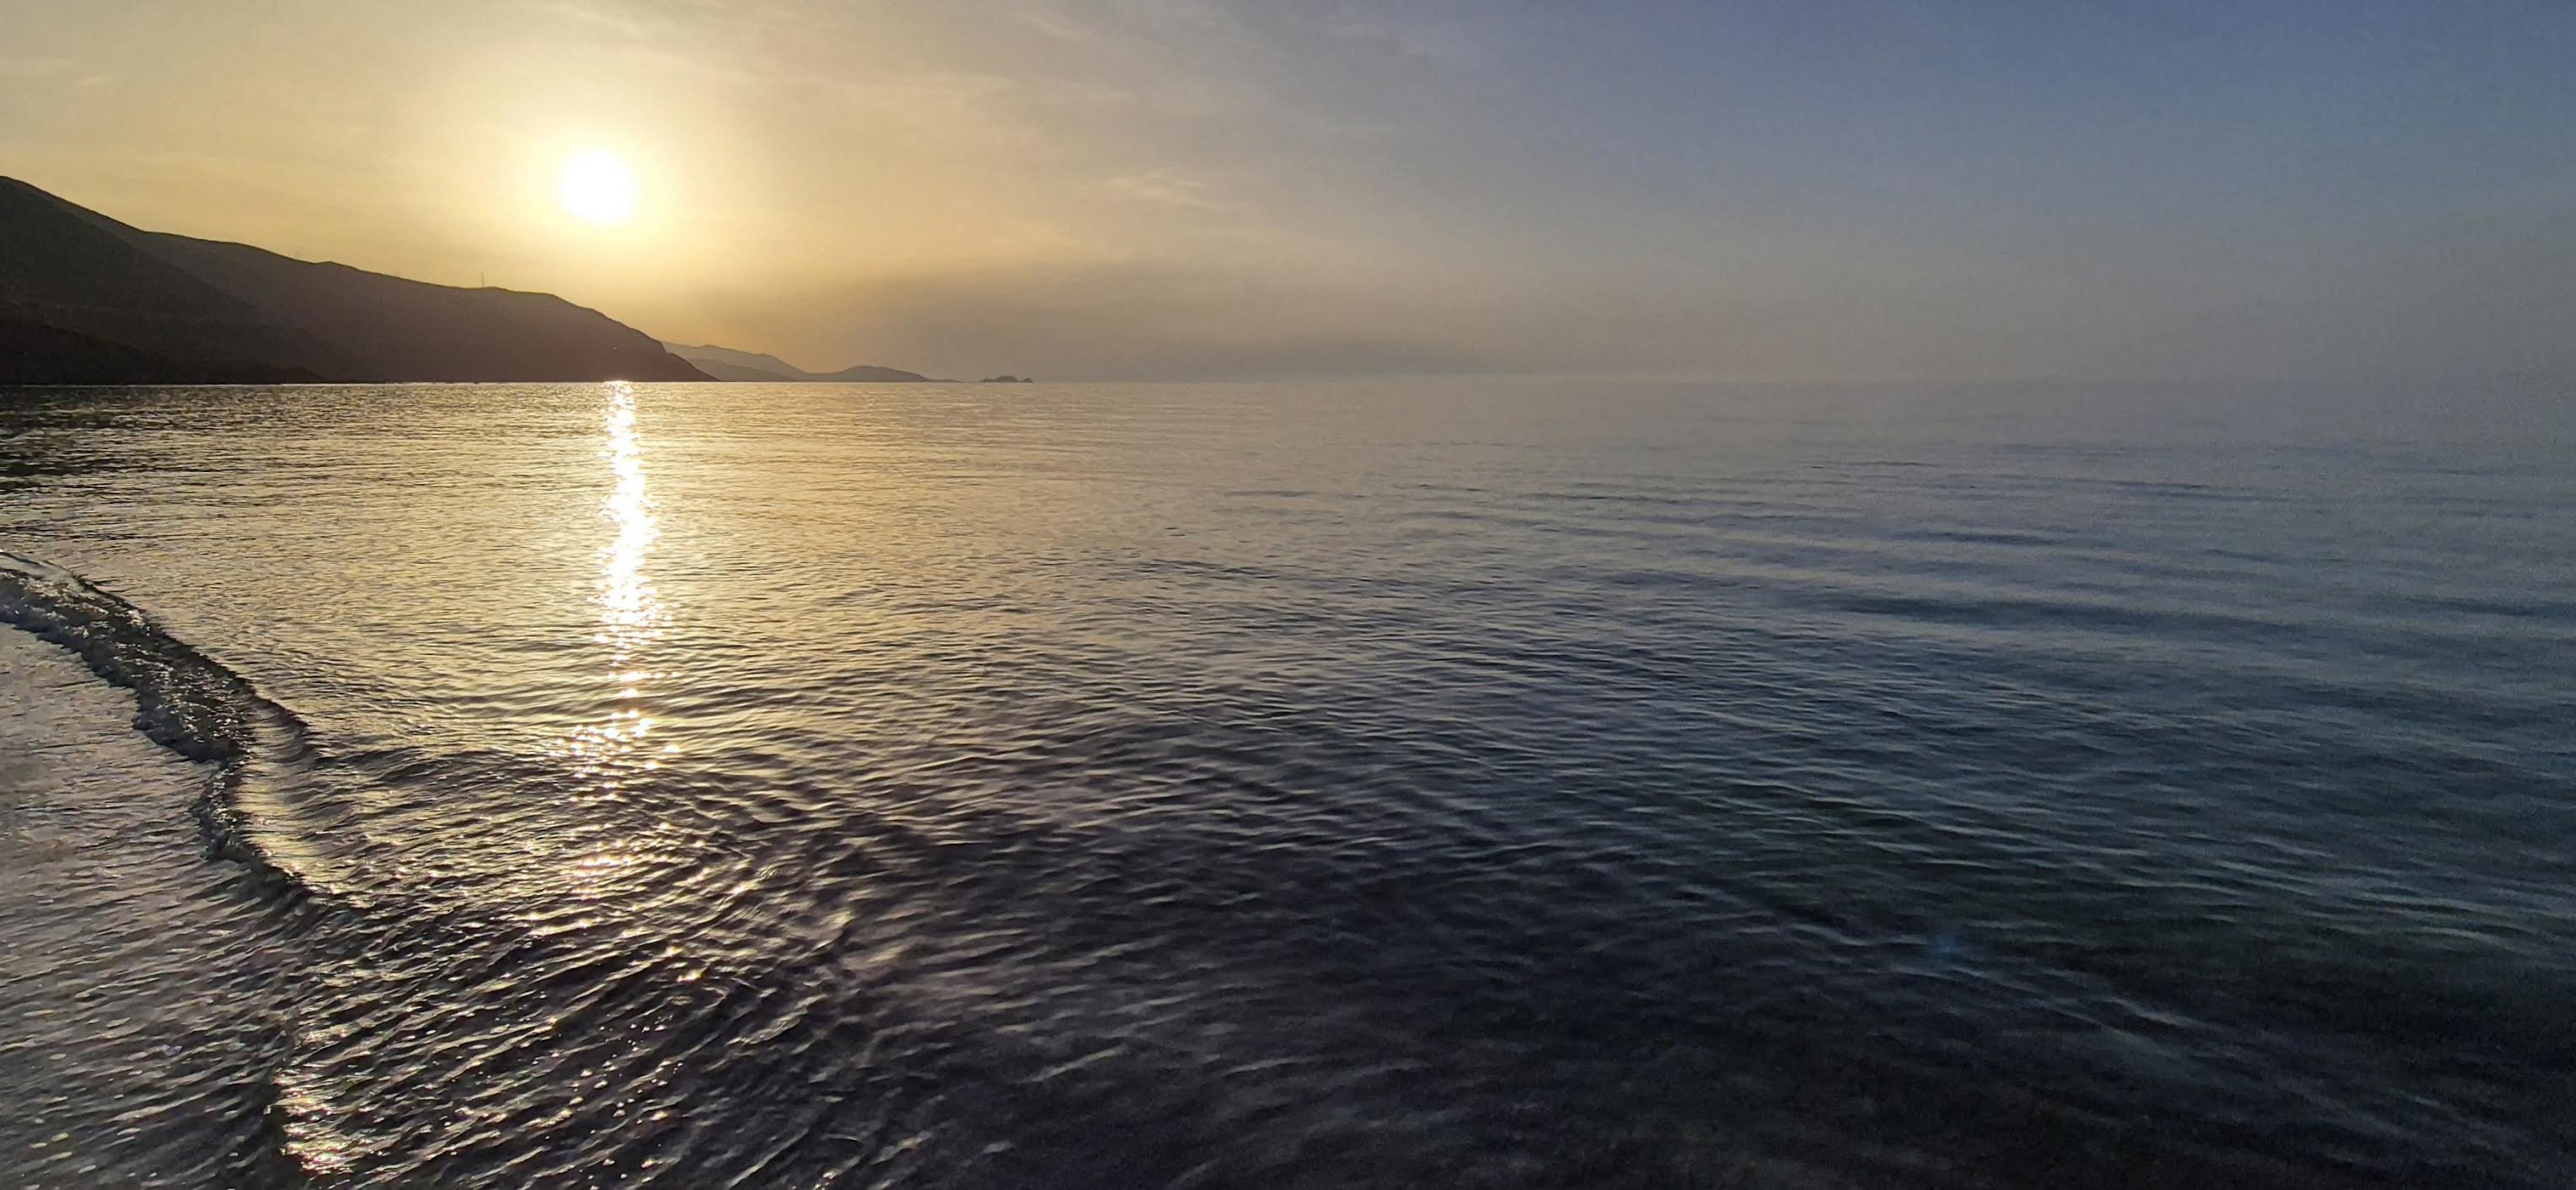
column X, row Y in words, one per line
column 144, row 989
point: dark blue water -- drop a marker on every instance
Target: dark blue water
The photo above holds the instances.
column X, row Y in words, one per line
column 1334, row 785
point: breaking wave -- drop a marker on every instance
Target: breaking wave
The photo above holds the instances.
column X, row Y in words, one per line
column 184, row 700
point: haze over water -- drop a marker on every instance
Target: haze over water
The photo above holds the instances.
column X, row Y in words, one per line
column 1324, row 784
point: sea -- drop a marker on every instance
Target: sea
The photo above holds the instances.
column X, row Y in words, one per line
column 1330, row 784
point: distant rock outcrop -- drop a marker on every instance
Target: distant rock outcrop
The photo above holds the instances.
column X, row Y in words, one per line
column 85, row 299
column 1009, row 380
column 726, row 363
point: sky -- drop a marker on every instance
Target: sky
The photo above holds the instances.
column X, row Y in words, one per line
column 1802, row 190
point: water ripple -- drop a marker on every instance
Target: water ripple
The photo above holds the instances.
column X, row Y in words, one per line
column 1341, row 786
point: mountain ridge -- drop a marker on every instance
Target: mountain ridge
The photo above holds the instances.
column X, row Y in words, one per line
column 731, row 363
column 86, row 299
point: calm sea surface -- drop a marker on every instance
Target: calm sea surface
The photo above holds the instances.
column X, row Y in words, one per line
column 1299, row 786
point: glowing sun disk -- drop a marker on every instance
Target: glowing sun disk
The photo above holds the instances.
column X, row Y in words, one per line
column 596, row 187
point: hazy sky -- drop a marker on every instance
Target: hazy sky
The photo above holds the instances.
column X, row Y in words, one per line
column 1803, row 189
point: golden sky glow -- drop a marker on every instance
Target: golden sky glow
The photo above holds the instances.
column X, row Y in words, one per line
column 1144, row 188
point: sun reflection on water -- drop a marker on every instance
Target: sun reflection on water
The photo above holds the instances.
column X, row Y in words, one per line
column 630, row 613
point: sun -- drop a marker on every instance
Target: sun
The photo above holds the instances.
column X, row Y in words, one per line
column 597, row 188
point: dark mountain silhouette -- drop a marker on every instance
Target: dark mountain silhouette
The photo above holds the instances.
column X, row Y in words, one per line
column 726, row 363
column 873, row 374
column 717, row 361
column 85, row 299
column 737, row 372
column 34, row 353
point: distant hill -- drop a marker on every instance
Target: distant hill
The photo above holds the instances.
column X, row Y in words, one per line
column 751, row 366
column 726, row 363
column 870, row 373
column 85, row 299
column 737, row 372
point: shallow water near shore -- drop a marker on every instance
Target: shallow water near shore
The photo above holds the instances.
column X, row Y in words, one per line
column 1288, row 785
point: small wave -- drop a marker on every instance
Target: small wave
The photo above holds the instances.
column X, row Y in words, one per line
column 184, row 701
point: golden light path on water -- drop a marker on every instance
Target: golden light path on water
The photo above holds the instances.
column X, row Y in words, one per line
column 630, row 614
column 559, row 879
column 612, row 751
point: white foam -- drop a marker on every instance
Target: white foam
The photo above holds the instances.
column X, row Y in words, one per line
column 71, row 764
